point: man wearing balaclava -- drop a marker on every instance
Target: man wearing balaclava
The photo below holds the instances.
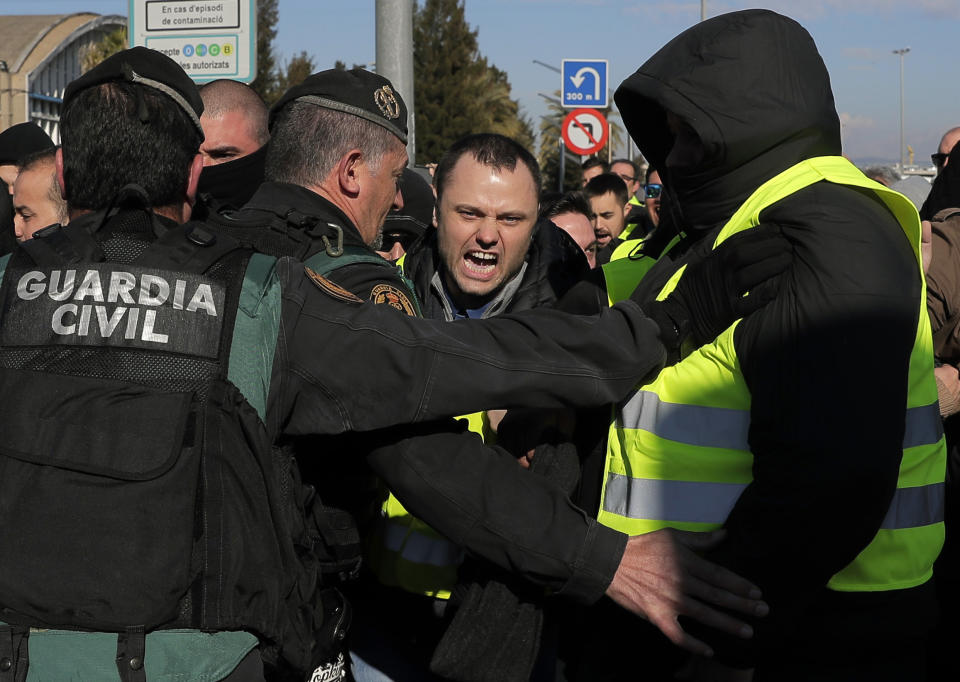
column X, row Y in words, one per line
column 809, row 430
column 234, row 148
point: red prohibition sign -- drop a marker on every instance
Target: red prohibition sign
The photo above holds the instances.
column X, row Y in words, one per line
column 585, row 131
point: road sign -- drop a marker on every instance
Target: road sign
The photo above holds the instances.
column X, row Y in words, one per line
column 584, row 83
column 210, row 39
column 585, row 131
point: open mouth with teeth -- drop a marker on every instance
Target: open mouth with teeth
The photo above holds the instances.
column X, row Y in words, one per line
column 480, row 262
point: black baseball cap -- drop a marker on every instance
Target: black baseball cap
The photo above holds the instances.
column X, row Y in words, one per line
column 22, row 140
column 417, row 212
column 146, row 67
column 358, row 92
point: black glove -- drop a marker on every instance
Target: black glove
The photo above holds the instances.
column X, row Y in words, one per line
column 710, row 295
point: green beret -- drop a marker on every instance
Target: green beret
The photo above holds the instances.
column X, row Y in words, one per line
column 149, row 68
column 357, row 92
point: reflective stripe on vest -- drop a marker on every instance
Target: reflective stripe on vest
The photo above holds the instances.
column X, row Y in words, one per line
column 678, row 452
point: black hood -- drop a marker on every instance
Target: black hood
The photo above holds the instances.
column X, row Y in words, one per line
column 753, row 87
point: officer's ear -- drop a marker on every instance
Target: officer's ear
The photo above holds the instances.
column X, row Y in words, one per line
column 348, row 172
column 193, row 180
column 58, row 162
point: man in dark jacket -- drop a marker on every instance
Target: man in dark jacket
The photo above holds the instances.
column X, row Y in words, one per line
column 738, row 116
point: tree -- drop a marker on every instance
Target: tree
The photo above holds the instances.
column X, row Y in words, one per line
column 457, row 91
column 549, row 157
column 294, row 71
column 265, row 81
column 108, row 45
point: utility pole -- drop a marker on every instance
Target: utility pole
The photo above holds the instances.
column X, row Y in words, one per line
column 901, row 53
column 703, row 10
column 395, row 57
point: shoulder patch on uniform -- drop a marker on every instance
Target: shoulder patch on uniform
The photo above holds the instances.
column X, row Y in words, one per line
column 392, row 296
column 331, row 289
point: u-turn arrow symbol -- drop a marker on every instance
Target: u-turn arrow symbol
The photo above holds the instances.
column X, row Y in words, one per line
column 581, row 74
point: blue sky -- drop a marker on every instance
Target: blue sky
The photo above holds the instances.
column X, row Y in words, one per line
column 855, row 37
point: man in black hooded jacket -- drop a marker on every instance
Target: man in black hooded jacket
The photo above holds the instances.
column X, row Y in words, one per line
column 833, row 500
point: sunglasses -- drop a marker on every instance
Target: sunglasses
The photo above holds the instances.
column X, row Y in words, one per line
column 939, row 159
column 653, row 191
column 389, row 239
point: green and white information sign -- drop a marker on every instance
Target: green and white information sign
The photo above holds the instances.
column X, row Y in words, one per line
column 210, row 39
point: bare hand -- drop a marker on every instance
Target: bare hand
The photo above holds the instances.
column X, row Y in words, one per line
column 699, row 669
column 661, row 578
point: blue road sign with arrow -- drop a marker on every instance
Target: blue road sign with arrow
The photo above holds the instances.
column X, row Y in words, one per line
column 584, row 83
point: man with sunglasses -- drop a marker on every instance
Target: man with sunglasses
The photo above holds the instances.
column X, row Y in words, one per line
column 644, row 215
column 947, row 142
column 652, row 189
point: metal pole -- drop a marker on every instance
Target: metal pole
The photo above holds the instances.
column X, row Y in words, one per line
column 703, row 10
column 395, row 57
column 901, row 53
column 563, row 165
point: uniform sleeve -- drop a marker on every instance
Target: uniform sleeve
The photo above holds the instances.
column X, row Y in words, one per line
column 379, row 285
column 344, row 366
column 826, row 364
column 481, row 499
column 476, row 495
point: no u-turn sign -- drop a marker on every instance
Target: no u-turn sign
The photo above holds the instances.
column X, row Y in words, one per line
column 585, row 131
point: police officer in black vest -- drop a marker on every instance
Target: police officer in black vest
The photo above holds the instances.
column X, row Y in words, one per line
column 336, row 156
column 149, row 365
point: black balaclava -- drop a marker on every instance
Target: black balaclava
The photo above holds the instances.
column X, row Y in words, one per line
column 234, row 182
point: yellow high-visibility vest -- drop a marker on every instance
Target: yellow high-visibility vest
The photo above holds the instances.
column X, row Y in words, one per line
column 677, row 452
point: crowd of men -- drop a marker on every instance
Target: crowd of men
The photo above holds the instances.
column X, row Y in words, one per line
column 279, row 406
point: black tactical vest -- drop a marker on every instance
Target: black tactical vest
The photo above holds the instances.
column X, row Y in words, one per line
column 138, row 486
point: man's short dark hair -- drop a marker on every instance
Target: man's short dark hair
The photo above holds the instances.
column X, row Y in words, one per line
column 593, row 162
column 108, row 144
column 571, row 202
column 488, row 149
column 605, row 183
column 307, row 141
column 36, row 158
column 223, row 96
column 632, row 164
column 646, row 176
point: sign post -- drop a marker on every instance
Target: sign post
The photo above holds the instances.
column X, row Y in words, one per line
column 585, row 131
column 210, row 39
column 584, row 83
